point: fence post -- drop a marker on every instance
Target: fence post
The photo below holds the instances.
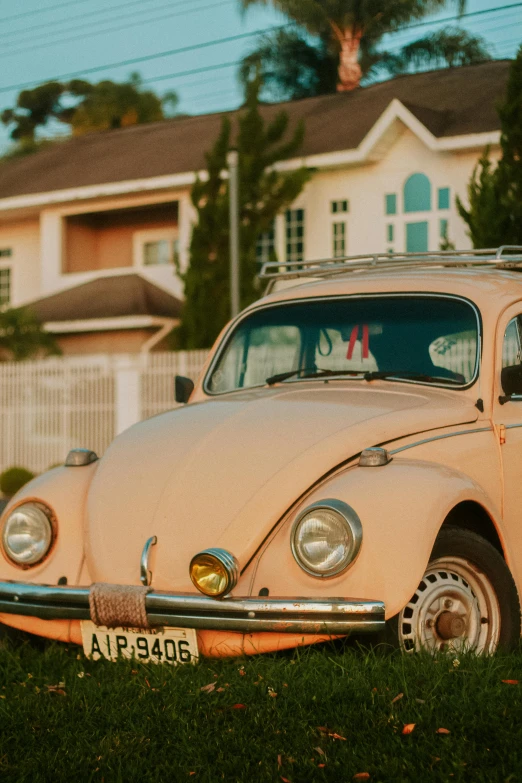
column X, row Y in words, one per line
column 128, row 391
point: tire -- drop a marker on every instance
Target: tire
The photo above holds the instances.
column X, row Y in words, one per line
column 466, row 600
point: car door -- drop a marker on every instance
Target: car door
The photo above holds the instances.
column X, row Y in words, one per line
column 507, row 418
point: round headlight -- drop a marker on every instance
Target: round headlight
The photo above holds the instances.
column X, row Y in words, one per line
column 27, row 534
column 326, row 538
column 214, row 572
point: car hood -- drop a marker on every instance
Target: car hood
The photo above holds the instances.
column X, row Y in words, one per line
column 222, row 472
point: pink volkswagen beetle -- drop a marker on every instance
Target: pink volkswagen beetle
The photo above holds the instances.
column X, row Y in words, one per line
column 349, row 462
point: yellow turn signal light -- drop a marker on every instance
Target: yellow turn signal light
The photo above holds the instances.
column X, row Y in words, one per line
column 214, row 572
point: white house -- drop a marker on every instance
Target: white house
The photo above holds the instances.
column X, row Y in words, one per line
column 388, row 162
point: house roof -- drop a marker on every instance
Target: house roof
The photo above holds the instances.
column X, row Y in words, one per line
column 107, row 297
column 448, row 102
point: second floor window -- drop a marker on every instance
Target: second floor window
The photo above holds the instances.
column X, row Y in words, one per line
column 265, row 246
column 5, row 286
column 339, row 239
column 161, row 251
column 295, row 235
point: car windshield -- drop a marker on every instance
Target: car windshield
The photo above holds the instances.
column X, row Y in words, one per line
column 418, row 338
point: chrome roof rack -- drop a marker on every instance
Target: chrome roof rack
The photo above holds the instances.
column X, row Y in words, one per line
column 504, row 257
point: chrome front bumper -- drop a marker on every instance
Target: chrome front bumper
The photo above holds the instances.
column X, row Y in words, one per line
column 336, row 616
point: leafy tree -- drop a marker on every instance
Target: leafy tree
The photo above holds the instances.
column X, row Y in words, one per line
column 494, row 216
column 82, row 106
column 336, row 42
column 450, row 46
column 22, row 336
column 263, row 193
column 292, row 65
column 108, row 105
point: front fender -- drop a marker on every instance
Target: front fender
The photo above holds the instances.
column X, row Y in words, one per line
column 401, row 506
column 64, row 491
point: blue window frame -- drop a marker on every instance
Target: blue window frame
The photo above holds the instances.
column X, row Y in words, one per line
column 417, row 193
column 390, row 203
column 389, row 232
column 417, row 237
column 444, row 198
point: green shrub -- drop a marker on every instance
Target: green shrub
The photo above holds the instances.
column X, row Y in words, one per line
column 13, row 479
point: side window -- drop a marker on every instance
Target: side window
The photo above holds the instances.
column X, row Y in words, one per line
column 512, row 349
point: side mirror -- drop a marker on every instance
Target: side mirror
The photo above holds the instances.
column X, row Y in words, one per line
column 511, row 379
column 183, row 388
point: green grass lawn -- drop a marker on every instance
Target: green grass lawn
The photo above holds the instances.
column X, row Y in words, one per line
column 325, row 714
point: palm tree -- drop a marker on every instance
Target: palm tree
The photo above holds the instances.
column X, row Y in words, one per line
column 348, row 21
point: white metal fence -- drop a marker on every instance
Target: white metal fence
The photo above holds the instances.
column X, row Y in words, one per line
column 52, row 405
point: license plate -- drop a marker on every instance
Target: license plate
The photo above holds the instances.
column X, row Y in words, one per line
column 155, row 645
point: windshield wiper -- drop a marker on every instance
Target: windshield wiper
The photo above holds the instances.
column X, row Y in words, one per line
column 310, row 373
column 385, row 375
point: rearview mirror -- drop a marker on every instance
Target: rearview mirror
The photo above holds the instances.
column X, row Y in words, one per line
column 511, row 379
column 183, row 388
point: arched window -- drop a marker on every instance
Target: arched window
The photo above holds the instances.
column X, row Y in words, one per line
column 417, row 193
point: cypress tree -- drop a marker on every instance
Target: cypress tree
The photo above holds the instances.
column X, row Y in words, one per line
column 263, row 193
column 494, row 216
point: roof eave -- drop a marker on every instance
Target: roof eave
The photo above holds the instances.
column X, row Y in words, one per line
column 371, row 148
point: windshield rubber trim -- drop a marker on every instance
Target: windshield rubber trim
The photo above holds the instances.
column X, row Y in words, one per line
column 399, row 295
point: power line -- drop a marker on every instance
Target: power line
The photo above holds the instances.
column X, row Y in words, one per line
column 206, row 44
column 191, row 72
column 457, row 16
column 105, row 30
column 146, row 57
column 10, row 33
column 42, row 10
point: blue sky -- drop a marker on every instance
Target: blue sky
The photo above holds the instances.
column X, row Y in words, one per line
column 43, row 39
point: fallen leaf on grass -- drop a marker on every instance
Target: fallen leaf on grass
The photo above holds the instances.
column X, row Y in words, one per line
column 208, row 688
column 443, row 731
column 239, row 706
column 285, row 780
column 510, row 682
column 279, row 761
column 220, row 690
column 321, row 765
column 361, row 776
column 319, row 750
column 408, row 728
column 333, row 734
column 242, row 671
column 397, row 698
column 271, row 692
column 59, row 689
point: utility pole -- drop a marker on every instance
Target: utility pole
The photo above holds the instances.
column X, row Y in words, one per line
column 233, row 189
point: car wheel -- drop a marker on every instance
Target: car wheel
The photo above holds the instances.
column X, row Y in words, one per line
column 466, row 600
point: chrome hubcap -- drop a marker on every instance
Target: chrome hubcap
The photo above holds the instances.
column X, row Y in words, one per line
column 454, row 608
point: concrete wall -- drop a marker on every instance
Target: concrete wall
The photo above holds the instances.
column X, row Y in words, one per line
column 89, row 248
column 116, row 246
column 110, row 342
column 365, row 188
column 23, row 237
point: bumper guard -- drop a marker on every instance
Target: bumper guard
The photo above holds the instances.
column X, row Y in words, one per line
column 335, row 616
